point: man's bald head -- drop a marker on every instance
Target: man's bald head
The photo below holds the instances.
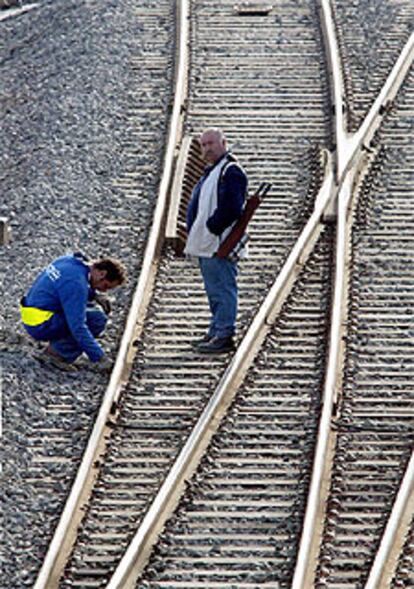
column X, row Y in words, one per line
column 213, row 144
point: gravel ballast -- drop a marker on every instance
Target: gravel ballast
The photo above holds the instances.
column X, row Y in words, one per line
column 85, row 90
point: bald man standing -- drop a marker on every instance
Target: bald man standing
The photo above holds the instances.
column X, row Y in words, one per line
column 216, row 203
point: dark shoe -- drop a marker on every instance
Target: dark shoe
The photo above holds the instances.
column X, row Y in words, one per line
column 204, row 340
column 54, row 361
column 217, row 345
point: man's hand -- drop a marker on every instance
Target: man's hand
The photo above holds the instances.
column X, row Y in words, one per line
column 103, row 302
column 104, row 365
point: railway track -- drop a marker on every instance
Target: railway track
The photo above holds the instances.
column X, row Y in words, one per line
column 255, row 478
column 375, row 427
column 169, row 365
column 128, row 62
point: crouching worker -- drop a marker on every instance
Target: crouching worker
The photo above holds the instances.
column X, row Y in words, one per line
column 60, row 308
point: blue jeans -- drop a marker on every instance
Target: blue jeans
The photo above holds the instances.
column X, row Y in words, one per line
column 56, row 331
column 220, row 283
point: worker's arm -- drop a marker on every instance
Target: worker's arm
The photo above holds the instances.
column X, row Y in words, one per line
column 193, row 205
column 231, row 195
column 73, row 297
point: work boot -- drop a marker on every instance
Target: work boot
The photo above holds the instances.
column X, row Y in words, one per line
column 217, row 345
column 55, row 361
column 204, row 340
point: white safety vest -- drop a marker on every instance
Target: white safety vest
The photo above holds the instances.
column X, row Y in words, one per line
column 200, row 241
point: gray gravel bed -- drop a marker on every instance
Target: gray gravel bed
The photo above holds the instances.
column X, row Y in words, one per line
column 373, row 33
column 84, row 95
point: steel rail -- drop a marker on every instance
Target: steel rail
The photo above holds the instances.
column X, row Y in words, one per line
column 348, row 146
column 65, row 533
column 386, row 559
column 321, row 473
column 362, row 137
column 305, row 568
column 347, row 169
column 10, row 12
column 336, row 85
column 138, row 551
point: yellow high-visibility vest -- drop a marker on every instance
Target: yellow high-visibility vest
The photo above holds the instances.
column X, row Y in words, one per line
column 33, row 316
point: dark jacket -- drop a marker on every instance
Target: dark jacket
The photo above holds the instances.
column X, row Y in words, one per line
column 231, row 195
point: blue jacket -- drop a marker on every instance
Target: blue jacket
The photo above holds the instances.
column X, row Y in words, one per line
column 64, row 287
column 231, row 195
